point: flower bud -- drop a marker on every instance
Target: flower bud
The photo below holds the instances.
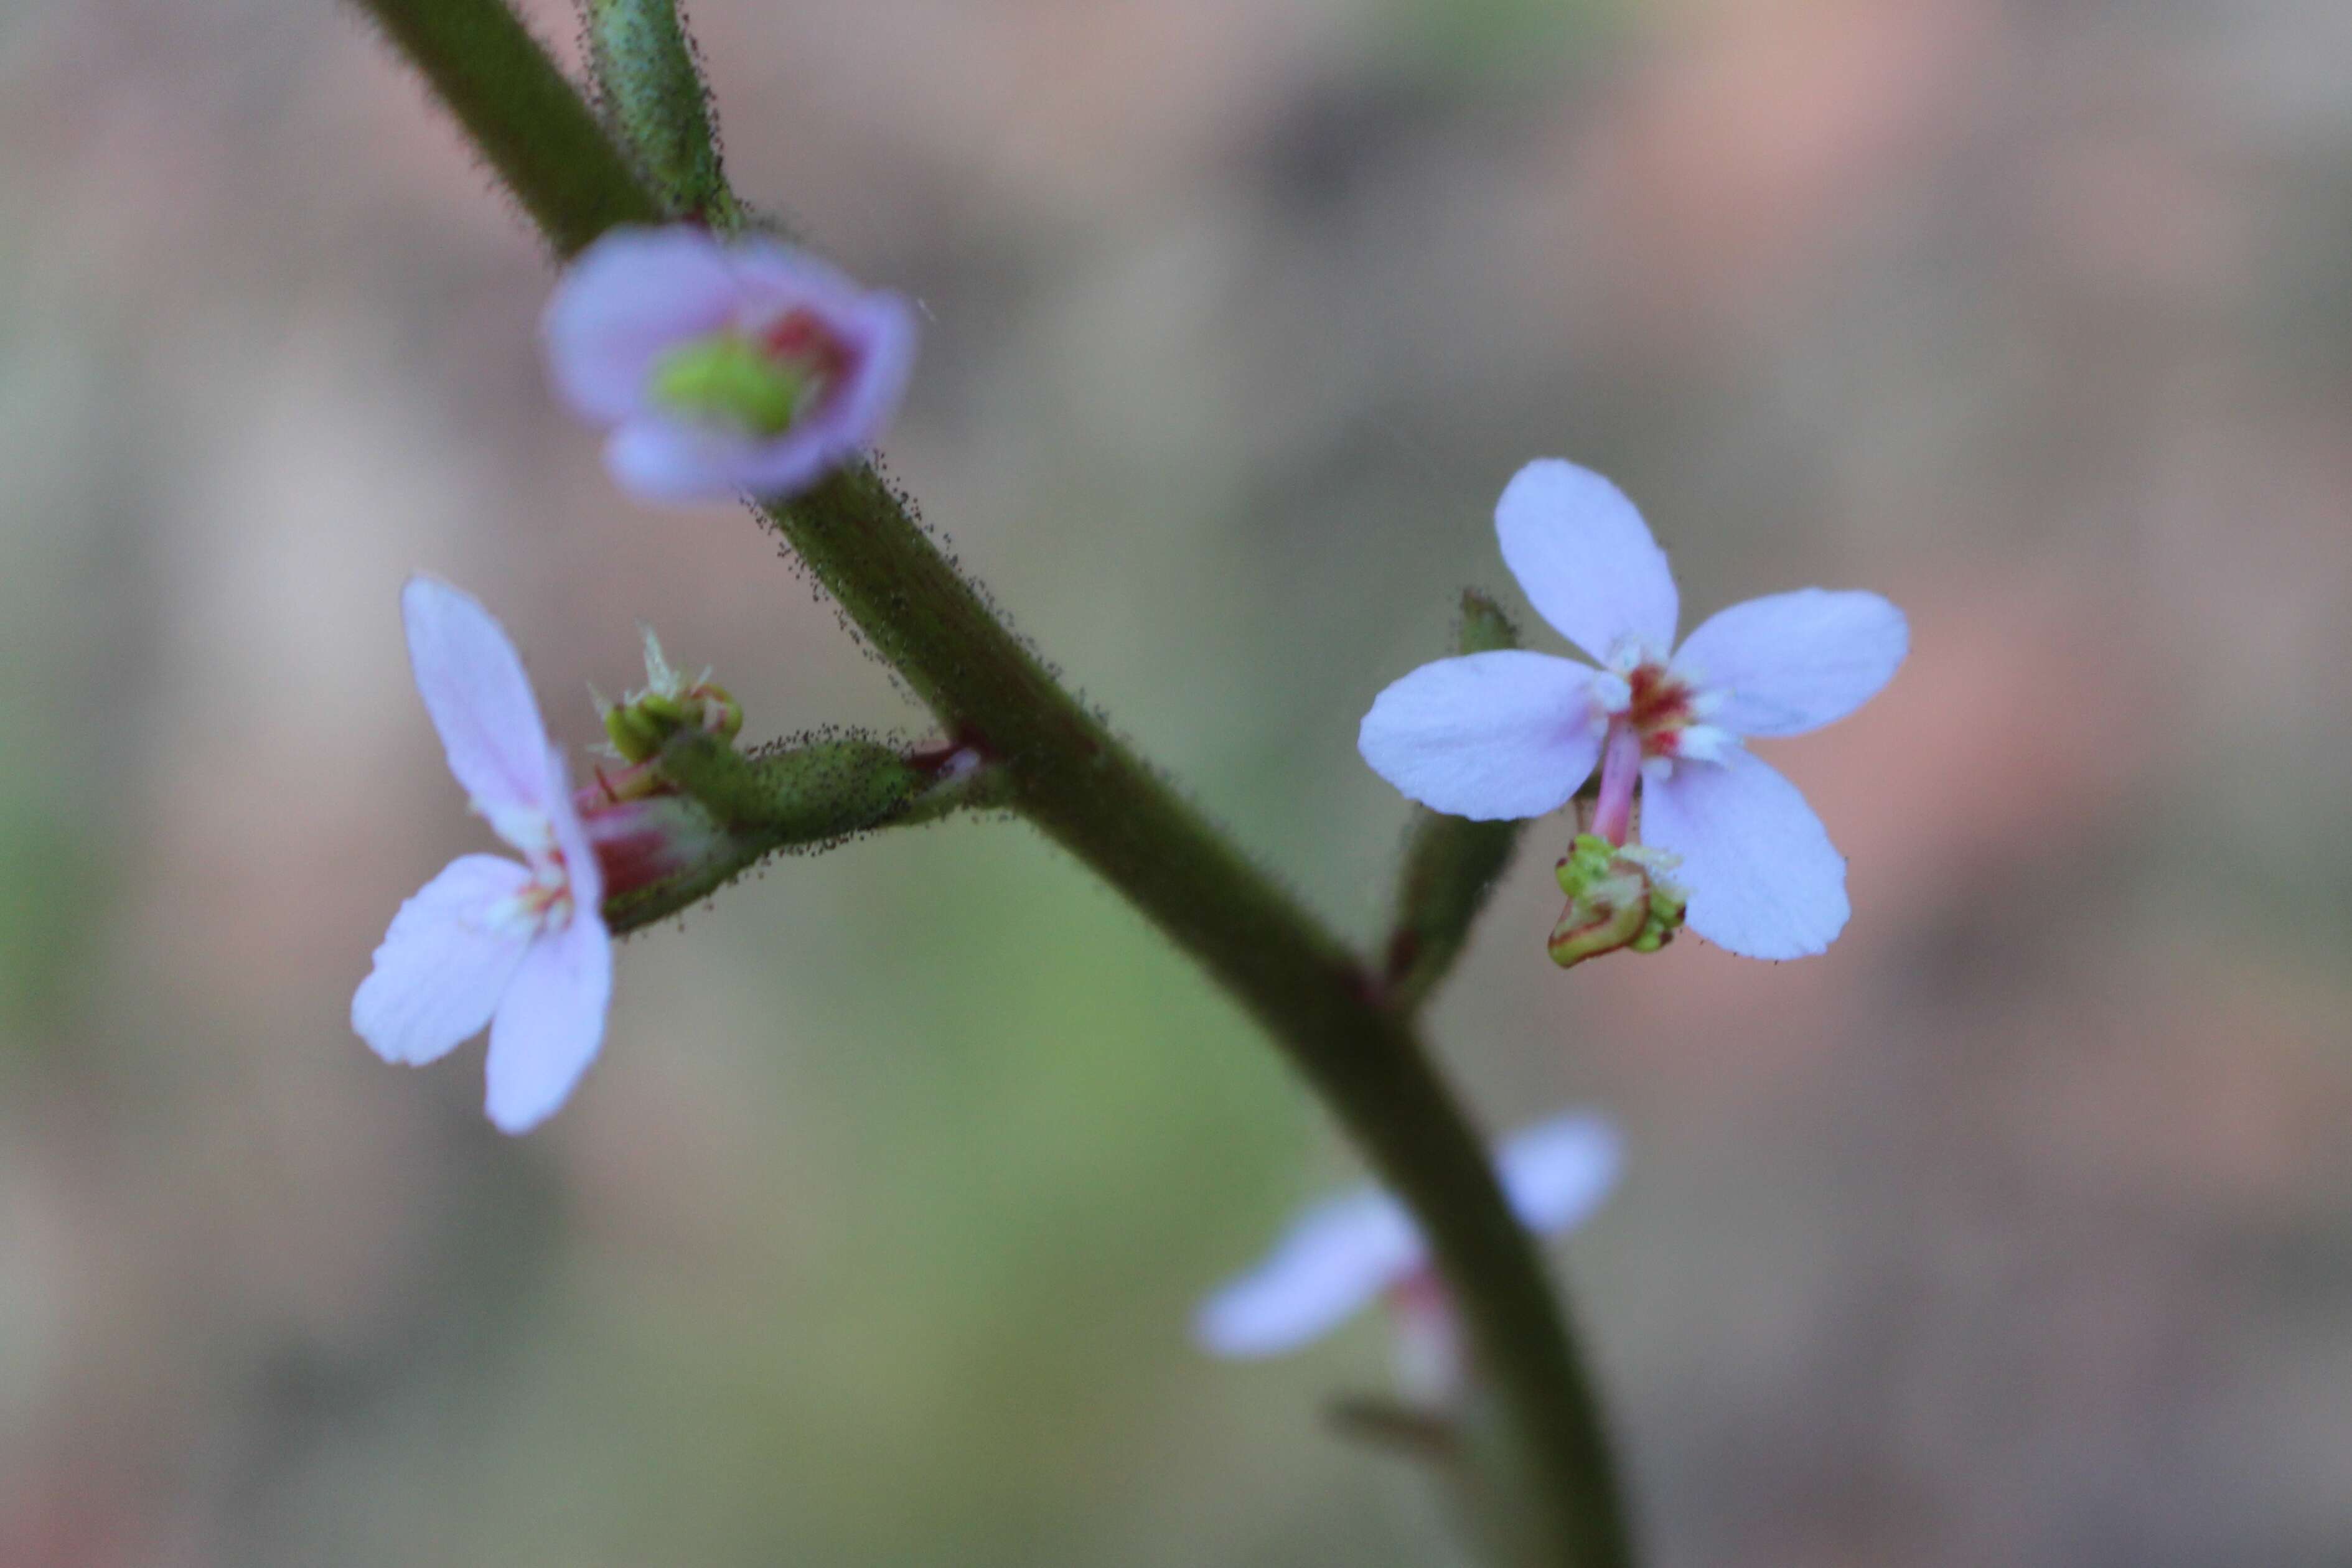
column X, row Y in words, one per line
column 1617, row 897
column 643, row 723
column 677, row 828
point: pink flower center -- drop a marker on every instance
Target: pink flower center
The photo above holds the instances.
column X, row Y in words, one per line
column 1659, row 706
column 802, row 342
column 1655, row 714
column 544, row 904
column 547, row 902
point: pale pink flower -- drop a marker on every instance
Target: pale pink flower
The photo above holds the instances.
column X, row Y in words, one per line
column 519, row 946
column 1349, row 1250
column 724, row 367
column 1515, row 734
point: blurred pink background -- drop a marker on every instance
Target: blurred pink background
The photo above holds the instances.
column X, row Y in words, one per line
column 2018, row 1229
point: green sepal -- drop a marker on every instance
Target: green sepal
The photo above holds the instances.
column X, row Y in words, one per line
column 634, row 733
column 807, row 794
column 639, row 725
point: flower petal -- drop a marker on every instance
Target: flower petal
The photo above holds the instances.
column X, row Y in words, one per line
column 1486, row 736
column 444, row 964
column 1334, row 1259
column 875, row 327
column 1765, row 881
column 774, row 279
column 1586, row 559
column 1558, row 1172
column 631, row 295
column 473, row 684
column 879, row 331
column 549, row 1027
column 779, row 469
column 1793, row 662
column 659, row 459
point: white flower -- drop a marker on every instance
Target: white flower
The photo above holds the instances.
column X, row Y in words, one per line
column 724, row 367
column 521, row 948
column 1344, row 1252
column 1515, row 734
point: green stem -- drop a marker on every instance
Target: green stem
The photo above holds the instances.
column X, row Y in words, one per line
column 656, row 100
column 1085, row 787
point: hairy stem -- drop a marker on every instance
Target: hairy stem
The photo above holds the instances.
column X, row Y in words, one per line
column 658, row 105
column 1085, row 787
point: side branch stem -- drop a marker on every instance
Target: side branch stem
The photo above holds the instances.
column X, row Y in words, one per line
column 1086, row 789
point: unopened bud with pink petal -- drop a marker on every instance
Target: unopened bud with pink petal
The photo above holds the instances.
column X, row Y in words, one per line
column 724, row 367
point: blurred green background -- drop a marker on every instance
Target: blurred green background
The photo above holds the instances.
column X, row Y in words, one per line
column 2018, row 1229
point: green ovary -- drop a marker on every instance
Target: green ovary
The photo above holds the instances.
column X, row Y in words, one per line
column 1617, row 898
column 730, row 380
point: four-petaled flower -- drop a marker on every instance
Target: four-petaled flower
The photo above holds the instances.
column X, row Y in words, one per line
column 724, row 367
column 1347, row 1250
column 1517, row 733
column 521, row 948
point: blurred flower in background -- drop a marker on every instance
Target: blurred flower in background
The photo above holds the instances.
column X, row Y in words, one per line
column 723, row 368
column 2012, row 1229
column 1349, row 1251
